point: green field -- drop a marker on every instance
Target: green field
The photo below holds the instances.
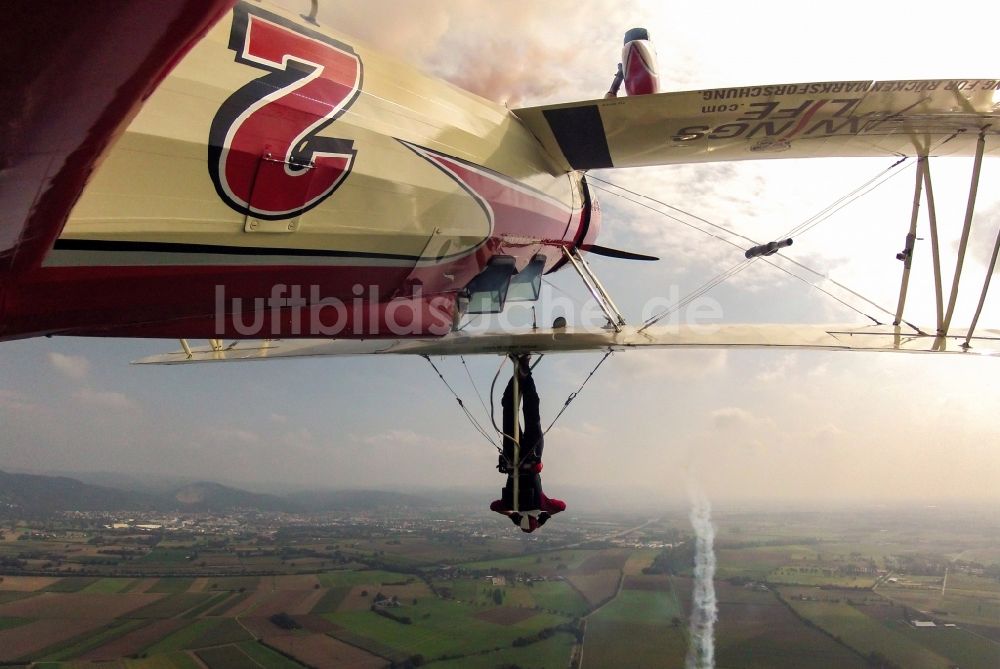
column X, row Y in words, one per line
column 331, row 600
column 67, row 650
column 242, row 583
column 965, row 649
column 225, row 630
column 228, row 603
column 172, row 585
column 175, row 557
column 333, row 579
column 760, row 561
column 551, row 561
column 480, row 592
column 959, row 606
column 793, row 575
column 756, row 630
column 71, row 584
column 10, row 623
column 201, row 634
column 435, row 622
column 267, row 658
column 12, row 596
column 211, row 603
column 558, row 596
column 866, row 635
column 224, row 657
column 171, row 605
column 636, row 624
column 171, row 661
column 110, row 586
column 551, row 653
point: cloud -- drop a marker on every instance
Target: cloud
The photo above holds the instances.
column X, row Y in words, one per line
column 524, row 62
column 982, row 240
column 14, row 401
column 826, row 435
column 300, row 438
column 819, row 370
column 72, row 366
column 730, row 418
column 104, row 399
column 234, row 434
column 397, row 438
column 778, row 371
column 585, row 433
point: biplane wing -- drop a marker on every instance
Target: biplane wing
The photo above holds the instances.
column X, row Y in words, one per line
column 829, row 119
column 819, row 337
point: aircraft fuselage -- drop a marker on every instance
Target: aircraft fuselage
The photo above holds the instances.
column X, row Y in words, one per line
column 286, row 181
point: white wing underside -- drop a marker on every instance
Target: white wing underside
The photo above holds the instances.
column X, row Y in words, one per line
column 875, row 338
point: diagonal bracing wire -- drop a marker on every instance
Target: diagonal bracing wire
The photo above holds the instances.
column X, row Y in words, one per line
column 465, row 410
column 810, row 223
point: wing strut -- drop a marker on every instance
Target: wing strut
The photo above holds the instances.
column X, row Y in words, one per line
column 935, row 247
column 969, row 209
column 596, row 288
column 982, row 296
column 921, row 186
column 906, row 255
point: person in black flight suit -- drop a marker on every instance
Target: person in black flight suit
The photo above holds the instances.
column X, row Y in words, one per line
column 534, row 508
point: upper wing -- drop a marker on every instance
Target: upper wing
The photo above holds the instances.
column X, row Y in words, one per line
column 843, row 118
column 822, row 337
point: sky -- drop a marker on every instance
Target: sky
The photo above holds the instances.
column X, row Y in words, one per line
column 743, row 425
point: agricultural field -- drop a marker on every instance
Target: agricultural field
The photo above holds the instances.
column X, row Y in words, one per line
column 802, row 590
column 638, row 624
column 553, row 653
column 967, row 599
column 866, row 634
column 811, row 575
column 540, row 564
column 434, row 622
column 755, row 629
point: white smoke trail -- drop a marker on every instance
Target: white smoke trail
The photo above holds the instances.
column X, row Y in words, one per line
column 704, row 612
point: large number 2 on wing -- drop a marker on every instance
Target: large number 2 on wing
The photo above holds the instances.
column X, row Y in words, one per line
column 264, row 154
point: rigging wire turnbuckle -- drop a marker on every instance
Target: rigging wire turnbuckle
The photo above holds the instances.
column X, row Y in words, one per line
column 768, row 249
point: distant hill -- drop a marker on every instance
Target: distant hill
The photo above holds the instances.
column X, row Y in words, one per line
column 32, row 494
column 357, row 500
column 217, row 497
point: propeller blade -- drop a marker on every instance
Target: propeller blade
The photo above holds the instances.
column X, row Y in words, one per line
column 617, row 253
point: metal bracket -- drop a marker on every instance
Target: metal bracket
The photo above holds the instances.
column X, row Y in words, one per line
column 267, row 164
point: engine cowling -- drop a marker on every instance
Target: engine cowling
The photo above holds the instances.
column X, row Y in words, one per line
column 639, row 67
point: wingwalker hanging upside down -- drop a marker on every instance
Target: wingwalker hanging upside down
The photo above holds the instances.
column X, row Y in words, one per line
column 522, row 499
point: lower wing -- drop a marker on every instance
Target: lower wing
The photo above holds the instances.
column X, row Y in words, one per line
column 819, row 337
